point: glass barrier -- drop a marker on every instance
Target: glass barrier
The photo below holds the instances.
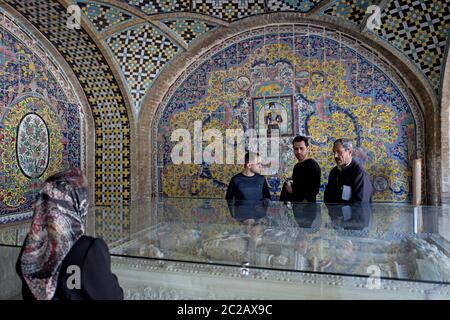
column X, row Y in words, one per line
column 396, row 241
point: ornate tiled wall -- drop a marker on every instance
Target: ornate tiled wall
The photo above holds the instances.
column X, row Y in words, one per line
column 142, row 62
column 189, row 29
column 40, row 120
column 102, row 16
column 112, row 166
column 228, row 10
column 112, row 141
column 291, row 5
column 157, row 6
column 327, row 84
column 142, row 52
column 420, row 30
column 353, row 11
column 416, row 28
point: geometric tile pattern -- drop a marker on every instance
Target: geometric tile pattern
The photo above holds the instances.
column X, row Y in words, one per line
column 291, row 5
column 14, row 234
column 141, row 52
column 102, row 16
column 228, row 10
column 40, row 125
column 189, row 30
column 112, row 224
column 419, row 29
column 354, row 11
column 159, row 6
column 112, row 128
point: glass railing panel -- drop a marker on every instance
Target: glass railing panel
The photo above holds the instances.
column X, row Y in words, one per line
column 400, row 241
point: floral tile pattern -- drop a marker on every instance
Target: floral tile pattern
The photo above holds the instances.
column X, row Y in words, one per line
column 337, row 89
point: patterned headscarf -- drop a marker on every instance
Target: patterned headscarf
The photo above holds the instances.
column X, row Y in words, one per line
column 58, row 222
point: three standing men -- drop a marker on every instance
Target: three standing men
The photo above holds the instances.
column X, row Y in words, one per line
column 348, row 182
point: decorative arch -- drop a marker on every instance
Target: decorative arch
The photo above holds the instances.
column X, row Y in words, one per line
column 400, row 75
column 113, row 127
column 110, row 127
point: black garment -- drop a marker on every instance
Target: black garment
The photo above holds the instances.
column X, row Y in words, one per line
column 353, row 176
column 248, row 197
column 97, row 280
column 350, row 217
column 306, row 182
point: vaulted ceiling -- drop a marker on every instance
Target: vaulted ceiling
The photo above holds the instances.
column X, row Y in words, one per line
column 144, row 36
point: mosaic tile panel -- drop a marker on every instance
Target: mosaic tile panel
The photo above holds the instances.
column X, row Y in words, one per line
column 22, row 163
column 419, row 29
column 32, row 145
column 291, row 5
column 103, row 16
column 40, row 126
column 112, row 129
column 333, row 88
column 353, row 11
column 189, row 30
column 159, row 6
column 228, row 10
column 141, row 52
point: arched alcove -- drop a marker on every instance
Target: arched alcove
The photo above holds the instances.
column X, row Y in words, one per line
column 376, row 102
column 42, row 119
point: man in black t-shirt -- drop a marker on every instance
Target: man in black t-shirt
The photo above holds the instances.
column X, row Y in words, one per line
column 305, row 177
column 248, row 191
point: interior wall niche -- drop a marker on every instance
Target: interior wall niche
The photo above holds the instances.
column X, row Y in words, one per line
column 322, row 83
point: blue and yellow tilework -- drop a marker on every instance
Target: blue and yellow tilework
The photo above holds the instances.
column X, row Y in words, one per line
column 158, row 6
column 103, row 16
column 228, row 10
column 40, row 126
column 141, row 52
column 354, row 11
column 189, row 29
column 420, row 30
column 291, row 5
column 112, row 128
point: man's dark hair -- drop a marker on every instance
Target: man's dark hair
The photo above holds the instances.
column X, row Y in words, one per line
column 250, row 156
column 299, row 139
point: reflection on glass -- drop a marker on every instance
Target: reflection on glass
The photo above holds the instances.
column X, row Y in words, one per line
column 252, row 210
column 354, row 217
column 307, row 215
column 337, row 239
column 399, row 240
